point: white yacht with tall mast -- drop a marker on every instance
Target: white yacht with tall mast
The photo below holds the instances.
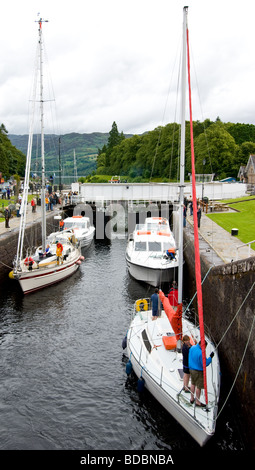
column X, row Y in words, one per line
column 154, row 347
column 52, row 261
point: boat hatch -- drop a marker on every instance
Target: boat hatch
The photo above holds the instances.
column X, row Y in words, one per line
column 146, row 341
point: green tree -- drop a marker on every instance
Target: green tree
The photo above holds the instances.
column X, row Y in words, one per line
column 115, row 137
column 242, row 154
column 217, row 147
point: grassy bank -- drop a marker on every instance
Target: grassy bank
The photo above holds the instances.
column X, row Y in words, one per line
column 243, row 218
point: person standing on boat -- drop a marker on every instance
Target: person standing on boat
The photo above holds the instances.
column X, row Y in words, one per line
column 61, row 225
column 59, row 251
column 196, row 372
column 185, row 362
column 155, row 304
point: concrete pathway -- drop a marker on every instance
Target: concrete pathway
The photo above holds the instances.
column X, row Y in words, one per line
column 31, row 217
column 222, row 242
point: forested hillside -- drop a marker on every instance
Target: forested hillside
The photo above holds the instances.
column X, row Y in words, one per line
column 85, row 147
column 220, row 148
column 12, row 160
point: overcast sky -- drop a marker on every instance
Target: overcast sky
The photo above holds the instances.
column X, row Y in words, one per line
column 115, row 60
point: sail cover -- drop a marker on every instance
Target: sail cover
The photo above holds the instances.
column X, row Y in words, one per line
column 174, row 316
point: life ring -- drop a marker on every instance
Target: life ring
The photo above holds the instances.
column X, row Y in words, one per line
column 29, row 261
column 141, row 305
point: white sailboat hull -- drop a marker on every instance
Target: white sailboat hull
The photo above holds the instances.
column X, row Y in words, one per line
column 162, row 371
column 171, row 406
column 31, row 281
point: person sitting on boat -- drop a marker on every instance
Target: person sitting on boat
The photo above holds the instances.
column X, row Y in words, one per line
column 47, row 251
column 59, row 252
column 196, row 372
column 155, row 305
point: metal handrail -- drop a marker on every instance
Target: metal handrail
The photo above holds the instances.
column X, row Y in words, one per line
column 245, row 244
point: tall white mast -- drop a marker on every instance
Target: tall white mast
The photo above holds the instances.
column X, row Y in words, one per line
column 42, row 141
column 182, row 157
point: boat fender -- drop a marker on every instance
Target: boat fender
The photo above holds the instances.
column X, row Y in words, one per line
column 11, row 275
column 128, row 367
column 124, row 342
column 82, row 258
column 141, row 305
column 78, row 262
column 140, row 384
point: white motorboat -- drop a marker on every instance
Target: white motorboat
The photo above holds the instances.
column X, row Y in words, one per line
column 37, row 269
column 151, row 253
column 83, row 230
column 154, row 346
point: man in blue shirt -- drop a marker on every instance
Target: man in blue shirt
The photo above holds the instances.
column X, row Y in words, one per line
column 155, row 305
column 196, row 372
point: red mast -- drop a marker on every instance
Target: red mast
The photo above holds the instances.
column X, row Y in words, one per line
column 196, row 239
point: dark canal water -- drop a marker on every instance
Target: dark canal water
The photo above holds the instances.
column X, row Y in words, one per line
column 63, row 380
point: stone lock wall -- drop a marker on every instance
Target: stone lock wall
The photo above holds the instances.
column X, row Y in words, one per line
column 228, row 309
column 32, row 238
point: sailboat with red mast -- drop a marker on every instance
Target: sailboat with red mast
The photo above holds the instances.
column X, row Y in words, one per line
column 155, row 347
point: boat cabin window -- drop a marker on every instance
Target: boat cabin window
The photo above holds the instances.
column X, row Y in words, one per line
column 69, row 224
column 168, row 246
column 75, row 224
column 154, row 246
column 140, row 246
column 151, row 226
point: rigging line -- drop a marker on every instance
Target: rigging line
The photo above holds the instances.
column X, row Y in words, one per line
column 196, row 292
column 6, row 265
column 201, row 109
column 241, row 362
column 175, row 114
column 247, row 295
column 163, row 117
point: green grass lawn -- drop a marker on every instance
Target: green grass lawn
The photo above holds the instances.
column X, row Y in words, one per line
column 243, row 219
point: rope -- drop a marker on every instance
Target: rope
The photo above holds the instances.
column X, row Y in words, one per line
column 196, row 292
column 6, row 265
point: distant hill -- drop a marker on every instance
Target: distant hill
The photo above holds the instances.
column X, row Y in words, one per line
column 85, row 147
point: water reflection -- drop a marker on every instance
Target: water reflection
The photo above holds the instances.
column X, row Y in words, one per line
column 64, row 384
